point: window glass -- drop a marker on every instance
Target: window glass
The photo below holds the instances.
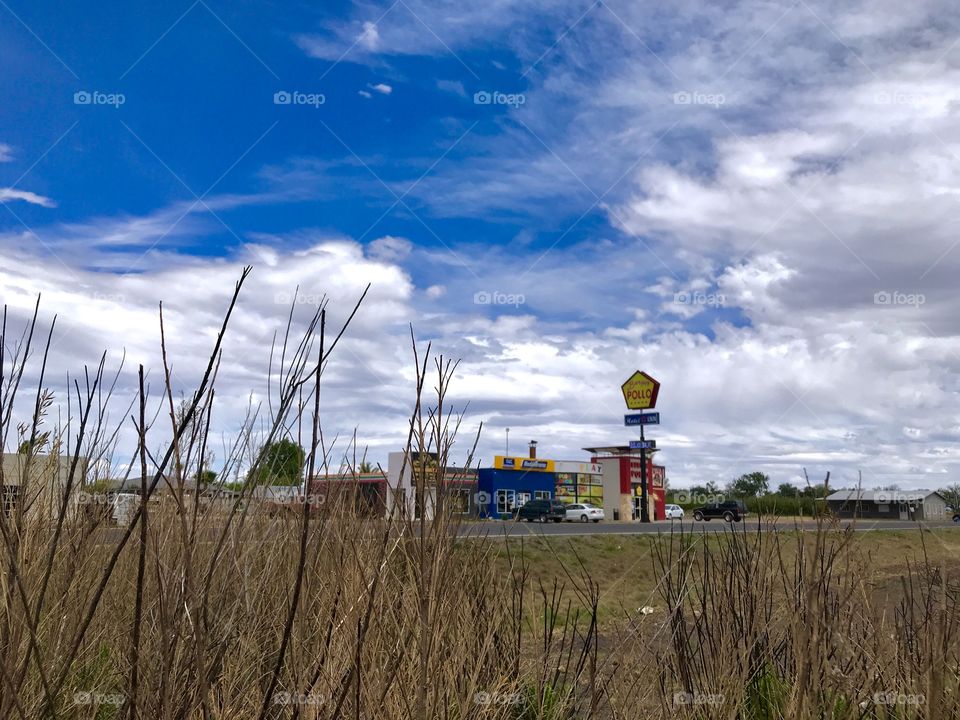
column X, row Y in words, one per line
column 505, row 501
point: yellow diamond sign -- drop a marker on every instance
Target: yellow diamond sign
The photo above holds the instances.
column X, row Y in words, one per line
column 640, row 391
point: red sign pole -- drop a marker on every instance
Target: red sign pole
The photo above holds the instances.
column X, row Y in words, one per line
column 644, row 510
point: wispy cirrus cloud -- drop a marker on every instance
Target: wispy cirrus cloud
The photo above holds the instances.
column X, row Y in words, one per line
column 8, row 194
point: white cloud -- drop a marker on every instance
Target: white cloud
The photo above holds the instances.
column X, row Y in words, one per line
column 369, row 38
column 6, row 153
column 390, row 248
column 364, row 93
column 381, row 88
column 7, row 194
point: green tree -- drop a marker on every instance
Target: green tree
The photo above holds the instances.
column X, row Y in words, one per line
column 750, row 485
column 365, row 467
column 39, row 443
column 282, row 464
column 206, row 477
column 788, row 490
column 952, row 494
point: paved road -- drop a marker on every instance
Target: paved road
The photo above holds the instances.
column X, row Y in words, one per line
column 573, row 529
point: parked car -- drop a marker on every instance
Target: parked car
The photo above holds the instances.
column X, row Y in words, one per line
column 543, row 510
column 729, row 510
column 582, row 512
column 956, row 517
column 673, row 512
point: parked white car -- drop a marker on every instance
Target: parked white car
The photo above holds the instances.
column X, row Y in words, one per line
column 673, row 512
column 583, row 512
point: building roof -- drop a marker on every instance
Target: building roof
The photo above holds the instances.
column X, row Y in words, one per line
column 347, row 477
column 882, row 497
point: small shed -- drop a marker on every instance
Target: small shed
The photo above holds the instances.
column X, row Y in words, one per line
column 888, row 504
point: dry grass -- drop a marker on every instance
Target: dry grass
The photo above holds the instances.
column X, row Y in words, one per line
column 319, row 614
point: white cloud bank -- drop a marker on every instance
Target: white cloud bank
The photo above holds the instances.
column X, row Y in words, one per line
column 817, row 205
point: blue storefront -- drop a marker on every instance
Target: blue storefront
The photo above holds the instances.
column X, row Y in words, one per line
column 501, row 492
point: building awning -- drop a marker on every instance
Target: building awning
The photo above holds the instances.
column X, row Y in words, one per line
column 616, row 450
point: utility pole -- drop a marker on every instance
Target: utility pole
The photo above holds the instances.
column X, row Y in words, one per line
column 507, row 453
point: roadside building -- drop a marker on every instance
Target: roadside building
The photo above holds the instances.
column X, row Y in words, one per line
column 888, row 504
column 622, row 479
column 34, row 485
column 415, row 483
column 513, row 481
column 364, row 493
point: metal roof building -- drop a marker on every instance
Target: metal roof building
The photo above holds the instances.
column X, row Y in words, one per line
column 888, row 504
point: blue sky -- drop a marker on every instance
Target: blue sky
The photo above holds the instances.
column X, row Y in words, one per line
column 718, row 195
column 198, row 86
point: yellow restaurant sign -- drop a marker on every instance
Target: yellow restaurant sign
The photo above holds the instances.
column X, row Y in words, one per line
column 501, row 462
column 640, row 391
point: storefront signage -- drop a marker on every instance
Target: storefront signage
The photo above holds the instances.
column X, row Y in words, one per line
column 521, row 463
column 571, row 466
column 643, row 444
column 640, row 391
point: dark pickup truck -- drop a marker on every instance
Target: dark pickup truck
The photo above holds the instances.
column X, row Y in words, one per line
column 729, row 510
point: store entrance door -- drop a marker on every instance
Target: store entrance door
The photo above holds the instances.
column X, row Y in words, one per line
column 635, row 513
